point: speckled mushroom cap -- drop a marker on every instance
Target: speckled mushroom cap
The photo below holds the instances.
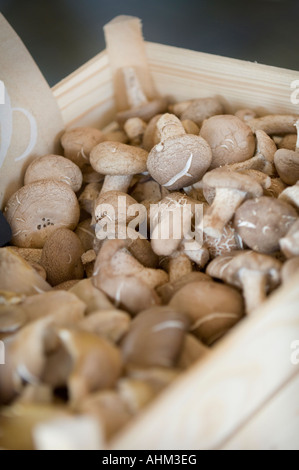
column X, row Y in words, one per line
column 230, row 139
column 228, row 268
column 201, row 109
column 287, row 165
column 262, row 222
column 211, row 307
column 78, row 143
column 115, row 158
column 54, row 167
column 179, row 161
column 221, row 178
column 38, row 209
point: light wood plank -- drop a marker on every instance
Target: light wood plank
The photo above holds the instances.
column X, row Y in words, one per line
column 275, row 427
column 217, row 396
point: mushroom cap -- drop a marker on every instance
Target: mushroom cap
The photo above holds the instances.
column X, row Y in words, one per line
column 38, row 209
column 111, row 324
column 61, row 257
column 145, row 112
column 120, row 206
column 228, row 242
column 86, row 234
column 211, row 307
column 288, row 142
column 291, row 195
column 78, row 143
column 179, row 161
column 228, row 267
column 221, row 178
column 262, row 222
column 287, row 165
column 201, row 109
column 167, row 291
column 230, row 139
column 54, row 167
column 115, row 158
column 155, row 338
column 93, row 298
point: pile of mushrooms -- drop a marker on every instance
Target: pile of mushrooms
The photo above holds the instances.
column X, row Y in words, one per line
column 95, row 328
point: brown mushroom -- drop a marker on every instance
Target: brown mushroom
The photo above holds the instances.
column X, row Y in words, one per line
column 54, row 167
column 190, row 127
column 61, row 257
column 18, row 276
column 274, row 124
column 232, row 188
column 193, row 350
column 289, row 244
column 291, row 196
column 227, row 242
column 290, row 269
column 88, row 197
column 262, row 222
column 93, row 298
column 86, row 234
column 78, row 143
column 167, row 291
column 155, row 338
column 116, row 206
column 135, row 393
column 180, row 159
column 38, row 209
column 255, row 273
column 211, row 308
column 230, row 139
column 110, row 324
column 135, row 128
column 245, row 114
column 288, row 142
column 151, row 136
column 201, row 109
column 287, row 165
column 96, row 363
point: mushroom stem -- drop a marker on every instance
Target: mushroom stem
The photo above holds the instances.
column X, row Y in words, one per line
column 222, row 210
column 179, row 266
column 135, row 94
column 116, row 183
column 254, row 285
column 170, row 126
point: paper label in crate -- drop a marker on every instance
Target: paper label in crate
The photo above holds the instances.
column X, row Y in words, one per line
column 30, row 120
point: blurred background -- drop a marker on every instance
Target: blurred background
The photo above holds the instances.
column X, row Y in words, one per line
column 63, row 34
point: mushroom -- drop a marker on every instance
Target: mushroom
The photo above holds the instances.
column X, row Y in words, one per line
column 93, row 298
column 119, row 162
column 289, row 244
column 135, row 393
column 193, row 350
column 255, row 273
column 291, row 196
column 110, row 324
column 38, row 209
column 88, row 260
column 97, row 363
column 61, row 257
column 230, row 139
column 190, row 127
column 18, row 276
column 232, row 188
column 179, row 108
column 288, row 142
column 274, row 124
column 287, row 165
column 180, row 159
column 167, row 291
column 211, row 308
column 108, row 408
column 228, row 241
column 151, row 136
column 86, row 234
column 262, row 222
column 276, row 188
column 88, row 197
column 91, row 176
column 54, row 167
column 124, row 279
column 245, row 114
column 137, row 100
column 135, row 128
column 289, row 269
column 31, row 255
column 116, row 206
column 79, row 142
column 201, row 109
column 155, row 338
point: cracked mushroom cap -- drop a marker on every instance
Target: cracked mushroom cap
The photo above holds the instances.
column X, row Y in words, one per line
column 54, row 167
column 230, row 139
column 115, row 158
column 221, row 178
column 228, row 267
column 38, row 209
column 78, row 143
column 155, row 338
column 211, row 308
column 179, row 161
column 201, row 109
column 262, row 222
column 287, row 165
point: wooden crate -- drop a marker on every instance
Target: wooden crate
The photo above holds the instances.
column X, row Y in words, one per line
column 245, row 395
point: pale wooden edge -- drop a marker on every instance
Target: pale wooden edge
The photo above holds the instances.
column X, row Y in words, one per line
column 213, row 400
column 274, row 427
column 86, row 96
